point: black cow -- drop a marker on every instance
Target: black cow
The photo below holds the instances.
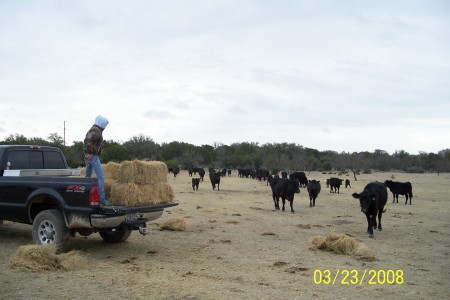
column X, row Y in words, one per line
column 271, row 178
column 190, row 171
column 301, row 176
column 400, row 188
column 328, row 183
column 373, row 199
column 175, row 171
column 262, row 174
column 215, row 179
column 201, row 173
column 286, row 189
column 283, row 174
column 347, row 183
column 313, row 188
column 195, row 183
column 335, row 184
column 244, row 172
column 223, row 173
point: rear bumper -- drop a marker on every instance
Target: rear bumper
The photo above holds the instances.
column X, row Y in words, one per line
column 129, row 216
column 109, row 221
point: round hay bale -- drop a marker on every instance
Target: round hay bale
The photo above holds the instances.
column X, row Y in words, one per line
column 142, row 172
column 174, row 224
column 130, row 194
column 44, row 257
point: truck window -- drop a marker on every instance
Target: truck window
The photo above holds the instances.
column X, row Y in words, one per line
column 53, row 160
column 24, row 159
column 18, row 160
column 36, row 161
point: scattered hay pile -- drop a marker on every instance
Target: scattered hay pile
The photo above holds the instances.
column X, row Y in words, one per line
column 339, row 243
column 44, row 257
column 174, row 224
column 136, row 183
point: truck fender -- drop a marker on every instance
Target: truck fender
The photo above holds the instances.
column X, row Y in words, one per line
column 45, row 193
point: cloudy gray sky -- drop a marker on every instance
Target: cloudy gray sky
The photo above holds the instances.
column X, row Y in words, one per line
column 329, row 75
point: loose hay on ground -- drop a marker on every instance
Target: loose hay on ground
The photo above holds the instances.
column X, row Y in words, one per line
column 339, row 243
column 44, row 257
column 174, row 224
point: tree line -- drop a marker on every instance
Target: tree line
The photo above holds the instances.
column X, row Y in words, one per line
column 272, row 156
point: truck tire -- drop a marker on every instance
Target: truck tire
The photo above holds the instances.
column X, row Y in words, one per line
column 115, row 236
column 49, row 228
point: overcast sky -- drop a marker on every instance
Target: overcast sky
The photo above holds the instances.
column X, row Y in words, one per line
column 330, row 75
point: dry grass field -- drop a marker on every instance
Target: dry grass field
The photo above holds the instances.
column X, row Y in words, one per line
column 236, row 246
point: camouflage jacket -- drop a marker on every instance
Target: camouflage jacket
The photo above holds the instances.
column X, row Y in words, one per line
column 93, row 141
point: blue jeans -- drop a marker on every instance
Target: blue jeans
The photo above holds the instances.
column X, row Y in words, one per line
column 95, row 164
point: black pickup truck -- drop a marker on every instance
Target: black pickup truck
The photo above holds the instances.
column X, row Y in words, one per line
column 38, row 188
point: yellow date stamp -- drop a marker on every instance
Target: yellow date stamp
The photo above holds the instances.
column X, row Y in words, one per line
column 355, row 277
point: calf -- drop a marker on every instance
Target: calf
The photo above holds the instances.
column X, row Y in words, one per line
column 335, row 184
column 195, row 183
column 313, row 188
column 215, row 179
column 372, row 200
column 175, row 171
column 347, row 183
column 400, row 188
column 286, row 189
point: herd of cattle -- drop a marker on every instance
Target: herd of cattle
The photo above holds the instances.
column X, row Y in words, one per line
column 372, row 199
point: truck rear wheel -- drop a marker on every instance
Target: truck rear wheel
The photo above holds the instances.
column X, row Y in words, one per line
column 49, row 228
column 115, row 236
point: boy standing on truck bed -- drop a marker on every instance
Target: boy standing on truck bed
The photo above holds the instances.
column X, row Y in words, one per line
column 92, row 149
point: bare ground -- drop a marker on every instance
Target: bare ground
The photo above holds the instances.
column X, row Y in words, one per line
column 238, row 247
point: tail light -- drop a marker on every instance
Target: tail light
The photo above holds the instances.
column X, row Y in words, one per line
column 94, row 197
